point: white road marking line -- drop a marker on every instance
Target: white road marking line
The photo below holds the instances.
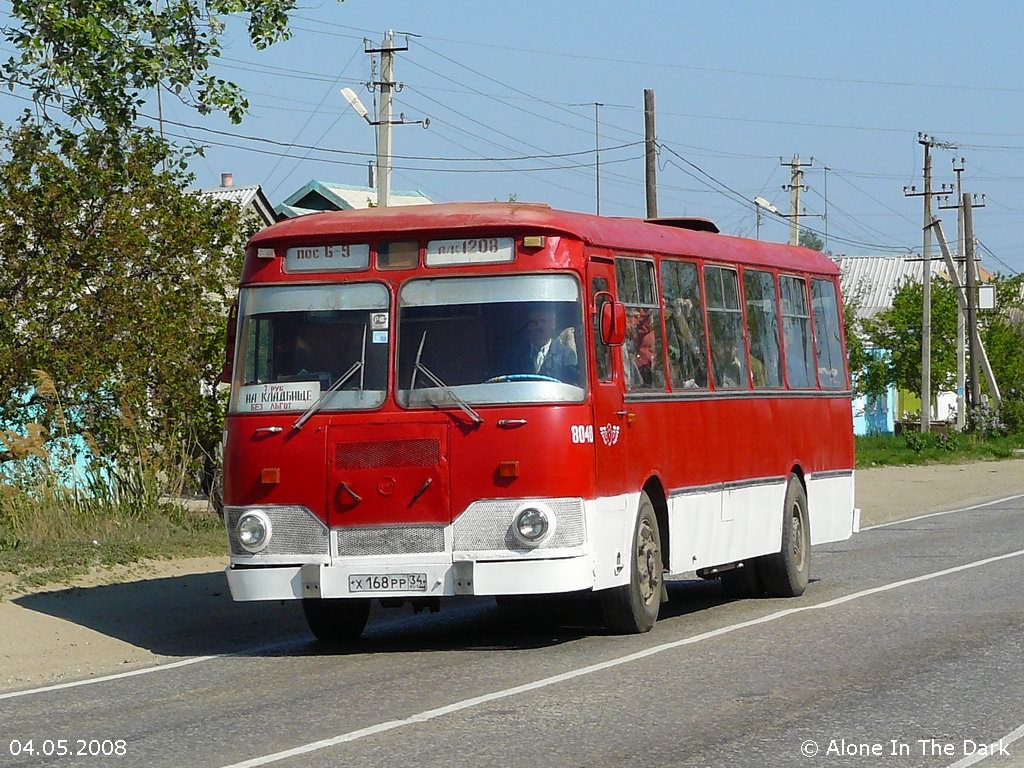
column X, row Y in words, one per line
column 156, row 668
column 992, row 750
column 287, row 643
column 946, row 512
column 432, row 714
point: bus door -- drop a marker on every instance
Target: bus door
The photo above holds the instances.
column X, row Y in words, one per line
column 609, row 409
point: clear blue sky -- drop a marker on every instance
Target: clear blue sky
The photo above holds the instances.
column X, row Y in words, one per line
column 738, row 85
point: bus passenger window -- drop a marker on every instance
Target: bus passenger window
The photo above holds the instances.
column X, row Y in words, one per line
column 642, row 361
column 602, row 352
column 763, row 326
column 831, row 366
column 796, row 333
column 684, row 325
column 725, row 326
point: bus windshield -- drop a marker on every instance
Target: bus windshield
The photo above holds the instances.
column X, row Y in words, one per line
column 490, row 340
column 299, row 342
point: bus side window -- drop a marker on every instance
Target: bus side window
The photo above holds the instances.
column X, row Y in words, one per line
column 602, row 352
column 642, row 361
column 796, row 332
column 763, row 325
column 831, row 366
column 725, row 326
column 684, row 325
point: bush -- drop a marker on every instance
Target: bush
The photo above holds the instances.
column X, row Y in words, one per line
column 1011, row 413
column 983, row 421
column 915, row 441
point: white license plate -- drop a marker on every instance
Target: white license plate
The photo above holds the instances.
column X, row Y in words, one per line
column 387, row 582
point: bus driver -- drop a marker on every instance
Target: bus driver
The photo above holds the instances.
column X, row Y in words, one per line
column 539, row 352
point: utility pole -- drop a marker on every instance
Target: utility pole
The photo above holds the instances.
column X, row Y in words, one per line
column 961, row 314
column 825, row 215
column 387, row 87
column 972, row 298
column 597, row 156
column 796, row 176
column 927, row 142
column 651, row 147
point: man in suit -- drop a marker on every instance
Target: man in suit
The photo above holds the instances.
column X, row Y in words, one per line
column 543, row 354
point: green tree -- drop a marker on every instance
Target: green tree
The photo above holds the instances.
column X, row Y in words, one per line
column 96, row 59
column 114, row 279
column 868, row 367
column 1003, row 335
column 809, row 239
column 898, row 330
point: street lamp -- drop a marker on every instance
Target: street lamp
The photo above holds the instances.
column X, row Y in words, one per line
column 759, row 203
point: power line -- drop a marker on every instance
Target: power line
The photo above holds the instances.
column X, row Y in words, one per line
column 689, row 67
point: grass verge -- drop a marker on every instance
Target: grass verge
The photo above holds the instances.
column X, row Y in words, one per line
column 890, row 450
column 81, row 542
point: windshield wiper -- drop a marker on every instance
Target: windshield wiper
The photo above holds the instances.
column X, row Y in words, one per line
column 358, row 365
column 419, row 366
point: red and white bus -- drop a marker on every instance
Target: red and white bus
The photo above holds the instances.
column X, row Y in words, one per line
column 505, row 399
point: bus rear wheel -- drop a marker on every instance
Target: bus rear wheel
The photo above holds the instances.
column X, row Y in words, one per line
column 336, row 620
column 787, row 572
column 633, row 607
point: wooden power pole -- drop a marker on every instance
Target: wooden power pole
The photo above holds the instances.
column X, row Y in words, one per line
column 651, row 146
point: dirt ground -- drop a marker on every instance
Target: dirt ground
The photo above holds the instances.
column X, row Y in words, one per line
column 113, row 621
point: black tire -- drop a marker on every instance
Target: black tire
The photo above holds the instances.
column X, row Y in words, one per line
column 787, row 572
column 336, row 620
column 633, row 607
column 743, row 582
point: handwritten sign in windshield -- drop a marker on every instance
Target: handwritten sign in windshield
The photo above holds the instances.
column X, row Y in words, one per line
column 286, row 396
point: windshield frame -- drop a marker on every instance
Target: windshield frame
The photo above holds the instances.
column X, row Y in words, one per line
column 513, row 393
column 335, row 401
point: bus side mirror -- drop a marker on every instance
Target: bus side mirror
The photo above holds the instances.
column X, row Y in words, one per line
column 613, row 323
column 229, row 346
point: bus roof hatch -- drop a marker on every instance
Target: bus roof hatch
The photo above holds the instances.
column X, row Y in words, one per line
column 696, row 224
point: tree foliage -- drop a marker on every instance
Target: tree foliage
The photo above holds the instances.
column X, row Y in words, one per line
column 809, row 239
column 94, row 59
column 114, row 281
column 898, row 331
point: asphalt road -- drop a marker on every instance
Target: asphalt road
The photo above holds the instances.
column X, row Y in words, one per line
column 908, row 643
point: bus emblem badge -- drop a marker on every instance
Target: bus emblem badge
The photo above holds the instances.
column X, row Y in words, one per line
column 610, row 434
column 386, row 486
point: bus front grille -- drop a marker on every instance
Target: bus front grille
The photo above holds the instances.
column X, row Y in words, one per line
column 387, row 453
column 389, row 540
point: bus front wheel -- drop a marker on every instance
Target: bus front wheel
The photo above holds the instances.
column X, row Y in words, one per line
column 336, row 620
column 633, row 607
column 787, row 572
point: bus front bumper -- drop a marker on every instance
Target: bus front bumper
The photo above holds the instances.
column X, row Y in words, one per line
column 411, row 579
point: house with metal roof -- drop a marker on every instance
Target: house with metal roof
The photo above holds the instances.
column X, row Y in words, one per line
column 250, row 198
column 316, row 196
column 870, row 283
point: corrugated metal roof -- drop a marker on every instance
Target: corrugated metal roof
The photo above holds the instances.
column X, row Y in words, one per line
column 871, row 281
column 333, row 196
column 243, row 197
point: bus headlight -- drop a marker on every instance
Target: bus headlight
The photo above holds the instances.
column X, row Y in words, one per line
column 533, row 524
column 254, row 530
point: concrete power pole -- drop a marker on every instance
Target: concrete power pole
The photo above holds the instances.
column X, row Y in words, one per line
column 796, row 177
column 961, row 314
column 972, row 299
column 927, row 142
column 388, row 87
column 650, row 153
